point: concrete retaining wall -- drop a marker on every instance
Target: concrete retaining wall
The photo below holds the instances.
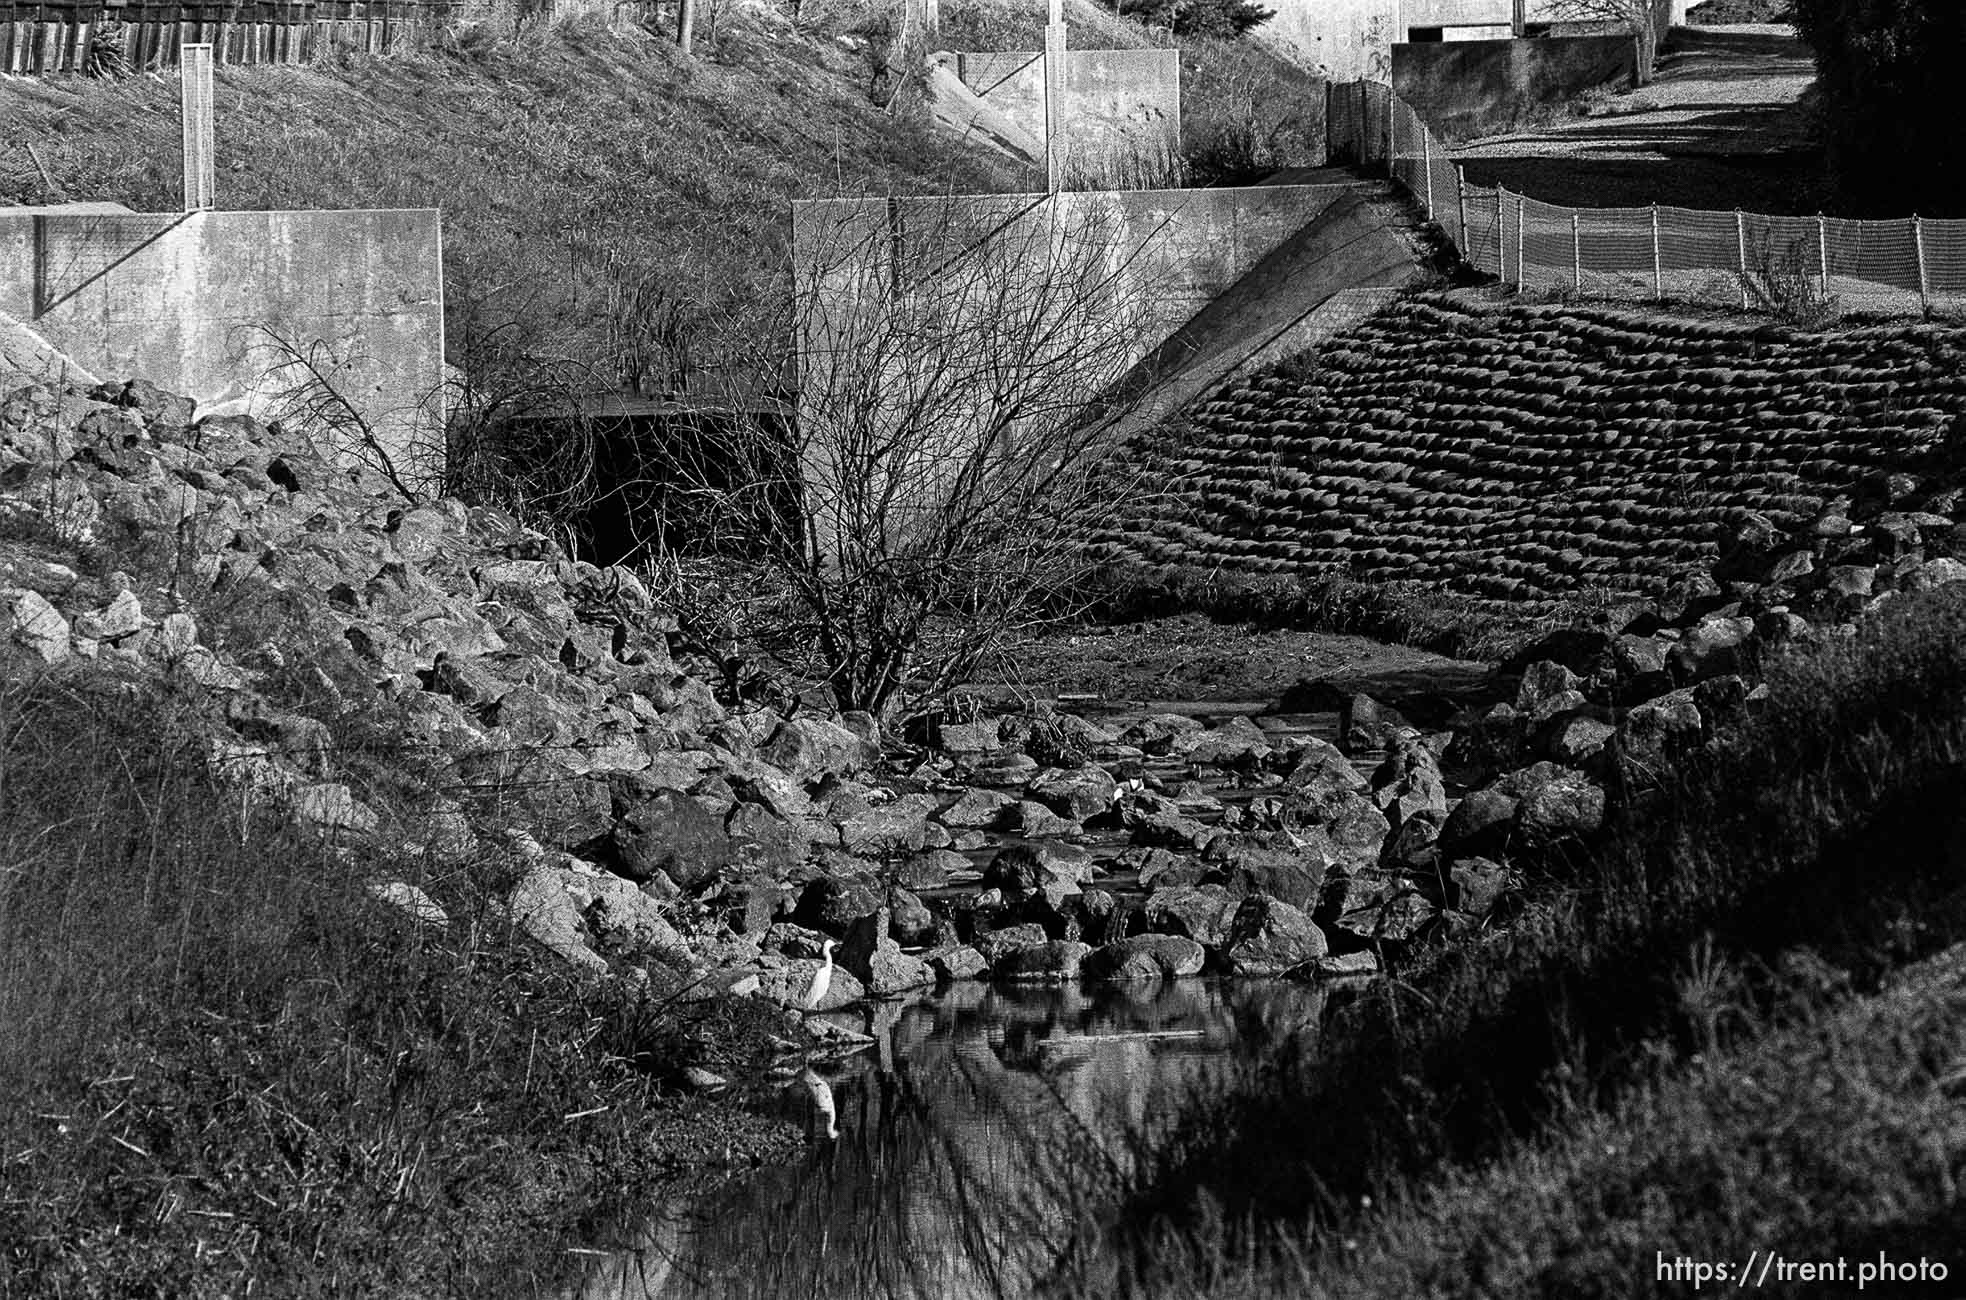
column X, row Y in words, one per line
column 1351, row 40
column 1170, row 252
column 1122, row 107
column 191, row 301
column 1468, row 88
column 941, row 337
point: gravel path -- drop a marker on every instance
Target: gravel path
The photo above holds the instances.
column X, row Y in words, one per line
column 1721, row 126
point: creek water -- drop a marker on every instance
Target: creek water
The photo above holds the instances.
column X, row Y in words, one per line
column 961, row 1155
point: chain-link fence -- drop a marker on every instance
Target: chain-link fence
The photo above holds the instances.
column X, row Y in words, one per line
column 1742, row 259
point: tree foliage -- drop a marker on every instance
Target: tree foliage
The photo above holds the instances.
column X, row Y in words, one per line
column 1221, row 20
column 1644, row 19
column 1888, row 109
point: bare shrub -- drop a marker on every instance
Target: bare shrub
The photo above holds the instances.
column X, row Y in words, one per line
column 1780, row 282
column 934, row 488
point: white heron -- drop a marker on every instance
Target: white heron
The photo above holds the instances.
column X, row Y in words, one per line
column 823, row 979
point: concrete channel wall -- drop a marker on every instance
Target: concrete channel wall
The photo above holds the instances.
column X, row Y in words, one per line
column 218, row 305
column 948, row 341
column 1353, row 40
column 1122, row 110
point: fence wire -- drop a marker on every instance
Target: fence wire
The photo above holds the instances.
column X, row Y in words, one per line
column 1741, row 259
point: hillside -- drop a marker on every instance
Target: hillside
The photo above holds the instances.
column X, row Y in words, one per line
column 1528, row 452
column 611, row 208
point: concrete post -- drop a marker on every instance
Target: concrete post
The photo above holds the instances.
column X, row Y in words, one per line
column 195, row 95
column 1741, row 240
column 686, row 26
column 1054, row 98
column 1918, row 246
column 1658, row 264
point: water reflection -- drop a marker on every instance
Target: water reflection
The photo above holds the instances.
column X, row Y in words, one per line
column 958, row 1157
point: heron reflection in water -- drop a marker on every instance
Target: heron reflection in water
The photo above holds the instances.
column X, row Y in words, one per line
column 822, row 1101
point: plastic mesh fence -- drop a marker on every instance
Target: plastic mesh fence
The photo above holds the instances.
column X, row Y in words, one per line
column 1729, row 258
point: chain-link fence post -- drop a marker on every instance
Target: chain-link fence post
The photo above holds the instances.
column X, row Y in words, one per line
column 1577, row 250
column 1519, row 281
column 1427, row 157
column 1658, row 262
column 1822, row 249
column 1501, row 251
column 1741, row 242
column 1918, row 246
column 1461, row 202
column 1392, row 138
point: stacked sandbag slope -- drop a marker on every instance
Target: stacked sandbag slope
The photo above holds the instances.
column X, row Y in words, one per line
column 1529, row 452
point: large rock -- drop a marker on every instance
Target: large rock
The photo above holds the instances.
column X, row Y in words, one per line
column 872, row 956
column 1478, row 884
column 1575, row 739
column 1034, row 821
column 1377, row 906
column 618, row 910
column 1407, row 786
column 672, row 833
column 811, row 749
column 1052, row 871
column 835, row 903
column 965, row 738
column 1654, row 735
column 1366, row 726
column 1717, row 644
column 1236, row 742
column 1481, row 823
column 1296, row 874
column 996, row 944
column 978, row 809
column 1201, row 912
column 1555, row 803
column 1160, row 733
column 543, row 908
column 777, row 841
column 958, row 962
column 1546, row 688
column 898, row 826
column 1146, row 956
column 1158, row 822
column 931, row 868
column 1080, row 793
column 1267, row 937
column 1488, row 743
column 1054, row 962
column 28, row 620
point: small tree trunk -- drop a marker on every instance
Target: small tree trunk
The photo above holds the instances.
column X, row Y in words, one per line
column 686, row 26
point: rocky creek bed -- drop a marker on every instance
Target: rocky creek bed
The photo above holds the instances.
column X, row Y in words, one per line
column 547, row 715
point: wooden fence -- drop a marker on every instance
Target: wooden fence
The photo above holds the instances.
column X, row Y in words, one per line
column 38, row 39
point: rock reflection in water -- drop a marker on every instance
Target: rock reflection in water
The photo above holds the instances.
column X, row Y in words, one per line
column 970, row 1146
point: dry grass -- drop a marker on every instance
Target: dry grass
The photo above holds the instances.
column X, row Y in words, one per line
column 1819, row 838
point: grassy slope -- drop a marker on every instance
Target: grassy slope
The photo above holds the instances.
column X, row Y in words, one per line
column 1818, row 846
column 593, row 179
column 569, row 162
